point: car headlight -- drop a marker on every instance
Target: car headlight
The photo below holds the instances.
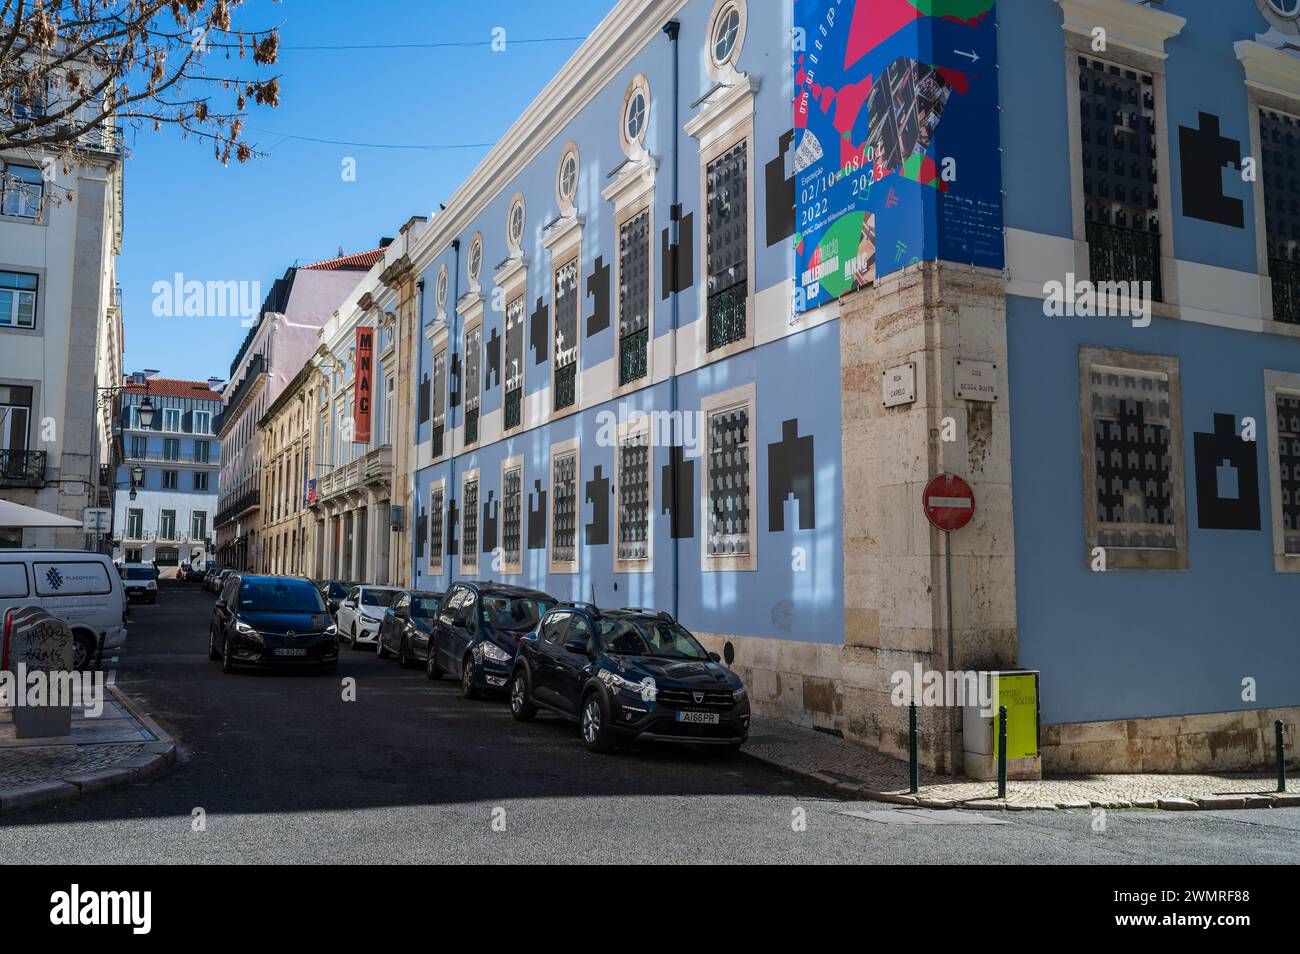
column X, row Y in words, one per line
column 645, row 689
column 243, row 629
column 494, row 652
column 331, row 630
column 738, row 694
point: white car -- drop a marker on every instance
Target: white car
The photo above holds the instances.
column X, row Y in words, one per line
column 362, row 611
column 140, row 580
column 83, row 589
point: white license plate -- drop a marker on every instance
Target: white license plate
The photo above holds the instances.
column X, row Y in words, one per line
column 703, row 718
column 289, row 652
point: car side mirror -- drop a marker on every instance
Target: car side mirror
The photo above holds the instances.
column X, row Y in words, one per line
column 578, row 644
column 715, row 657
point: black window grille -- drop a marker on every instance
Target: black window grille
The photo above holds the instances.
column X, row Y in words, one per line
column 514, row 401
column 634, row 498
column 512, row 501
column 439, row 401
column 729, row 490
column 1288, row 458
column 473, row 365
column 1279, row 136
column 566, row 335
column 634, row 298
column 565, row 509
column 728, row 246
column 469, row 526
column 436, row 543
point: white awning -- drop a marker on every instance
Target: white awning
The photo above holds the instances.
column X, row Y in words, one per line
column 16, row 515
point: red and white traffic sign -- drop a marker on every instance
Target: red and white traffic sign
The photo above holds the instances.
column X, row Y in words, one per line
column 949, row 502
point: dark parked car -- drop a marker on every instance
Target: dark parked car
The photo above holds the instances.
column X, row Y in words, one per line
column 477, row 630
column 220, row 579
column 406, row 630
column 627, row 675
column 272, row 620
column 334, row 592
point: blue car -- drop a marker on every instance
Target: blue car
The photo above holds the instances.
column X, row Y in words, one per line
column 477, row 630
column 628, row 675
column 406, row 631
column 272, row 621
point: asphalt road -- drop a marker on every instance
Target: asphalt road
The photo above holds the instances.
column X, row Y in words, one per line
column 286, row 771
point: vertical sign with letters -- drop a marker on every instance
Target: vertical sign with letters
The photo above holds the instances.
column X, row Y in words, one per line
column 361, row 403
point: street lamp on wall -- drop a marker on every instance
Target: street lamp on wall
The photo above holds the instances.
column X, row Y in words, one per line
column 146, row 409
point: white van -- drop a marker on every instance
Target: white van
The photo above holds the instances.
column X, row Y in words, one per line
column 79, row 587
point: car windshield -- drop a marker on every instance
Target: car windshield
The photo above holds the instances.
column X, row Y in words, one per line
column 377, row 597
column 425, row 607
column 138, row 573
column 639, row 637
column 337, row 591
column 280, row 596
column 516, row 614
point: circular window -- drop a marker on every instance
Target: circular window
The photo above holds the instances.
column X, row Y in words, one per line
column 475, row 257
column 515, row 223
column 1285, row 8
column 568, row 175
column 726, row 31
column 442, row 287
column 634, row 116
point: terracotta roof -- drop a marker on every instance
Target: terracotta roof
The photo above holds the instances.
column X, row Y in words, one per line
column 170, row 387
column 361, row 260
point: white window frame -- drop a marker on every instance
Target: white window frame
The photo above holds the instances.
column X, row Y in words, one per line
column 513, row 567
column 628, row 431
column 16, row 297
column 564, row 449
column 446, row 400
column 572, row 255
column 202, row 422
column 643, row 204
column 467, row 478
column 172, row 414
column 390, row 402
column 568, row 202
column 743, row 396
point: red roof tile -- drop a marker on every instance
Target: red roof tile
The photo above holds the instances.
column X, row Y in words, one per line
column 361, row 260
column 170, row 387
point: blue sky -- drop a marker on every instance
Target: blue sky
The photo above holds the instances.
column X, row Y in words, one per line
column 185, row 212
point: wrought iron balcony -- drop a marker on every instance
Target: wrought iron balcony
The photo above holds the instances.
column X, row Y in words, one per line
column 246, row 502
column 726, row 314
column 514, row 410
column 471, row 427
column 438, row 433
column 632, row 356
column 375, row 469
column 1286, row 289
column 566, row 385
column 22, row 468
column 1124, row 255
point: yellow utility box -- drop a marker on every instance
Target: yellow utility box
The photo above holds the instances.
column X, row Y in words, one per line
column 1018, row 691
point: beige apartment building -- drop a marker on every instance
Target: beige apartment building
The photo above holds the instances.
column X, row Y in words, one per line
column 286, row 459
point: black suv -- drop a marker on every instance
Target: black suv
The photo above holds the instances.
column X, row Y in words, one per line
column 625, row 675
column 476, row 632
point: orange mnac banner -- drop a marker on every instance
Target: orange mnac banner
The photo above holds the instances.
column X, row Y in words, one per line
column 365, row 385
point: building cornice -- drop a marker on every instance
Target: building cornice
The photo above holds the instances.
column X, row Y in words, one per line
column 629, row 26
column 1138, row 28
column 1269, row 70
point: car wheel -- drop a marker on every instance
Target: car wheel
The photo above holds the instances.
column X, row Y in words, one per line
column 83, row 651
column 403, row 654
column 380, row 651
column 521, row 698
column 595, row 724
column 353, row 638
column 431, row 667
column 227, row 660
column 212, row 646
column 467, row 687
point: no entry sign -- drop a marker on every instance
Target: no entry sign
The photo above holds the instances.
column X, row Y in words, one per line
column 949, row 502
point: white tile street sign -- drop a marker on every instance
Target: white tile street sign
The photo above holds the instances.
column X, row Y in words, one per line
column 976, row 380
column 899, row 384
column 95, row 520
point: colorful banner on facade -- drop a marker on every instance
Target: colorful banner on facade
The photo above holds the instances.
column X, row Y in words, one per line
column 361, row 399
column 896, row 122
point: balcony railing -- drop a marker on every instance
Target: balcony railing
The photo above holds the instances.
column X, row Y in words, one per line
column 1286, row 289
column 1124, row 255
column 632, row 353
column 245, row 502
column 438, row 433
column 726, row 311
column 566, row 386
column 374, row 469
column 471, row 427
column 514, row 408
column 22, row 468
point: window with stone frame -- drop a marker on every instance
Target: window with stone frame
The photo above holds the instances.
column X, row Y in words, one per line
column 1117, row 127
column 1279, row 136
column 469, row 526
column 437, row 531
column 439, row 416
column 564, row 508
column 473, row 376
column 1287, row 441
column 566, row 335
column 634, row 298
column 1133, row 456
column 727, row 246
column 633, row 543
column 512, row 520
column 729, row 491
column 514, row 399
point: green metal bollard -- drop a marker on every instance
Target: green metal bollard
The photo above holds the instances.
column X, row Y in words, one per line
column 1280, row 745
column 1002, row 751
column 913, row 762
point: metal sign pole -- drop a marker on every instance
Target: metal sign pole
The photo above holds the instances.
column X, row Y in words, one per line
column 952, row 703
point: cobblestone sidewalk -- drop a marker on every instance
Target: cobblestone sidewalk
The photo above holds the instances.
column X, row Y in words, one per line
column 858, row 772
column 119, row 746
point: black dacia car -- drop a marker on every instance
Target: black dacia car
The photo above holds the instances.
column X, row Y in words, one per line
column 626, row 675
column 477, row 628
